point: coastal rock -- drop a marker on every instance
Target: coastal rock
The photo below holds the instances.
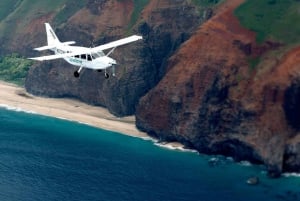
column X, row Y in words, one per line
column 292, row 155
column 292, row 104
column 253, row 181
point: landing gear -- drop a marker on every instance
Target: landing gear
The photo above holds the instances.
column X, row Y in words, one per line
column 77, row 73
column 106, row 75
column 113, row 69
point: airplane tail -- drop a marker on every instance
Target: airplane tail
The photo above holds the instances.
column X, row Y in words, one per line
column 53, row 41
column 51, row 36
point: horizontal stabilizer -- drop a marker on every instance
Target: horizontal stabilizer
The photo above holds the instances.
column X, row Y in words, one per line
column 68, row 43
column 49, row 47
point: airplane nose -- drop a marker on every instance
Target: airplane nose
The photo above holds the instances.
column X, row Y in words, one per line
column 113, row 62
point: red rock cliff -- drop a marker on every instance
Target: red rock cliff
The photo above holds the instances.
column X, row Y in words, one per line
column 212, row 100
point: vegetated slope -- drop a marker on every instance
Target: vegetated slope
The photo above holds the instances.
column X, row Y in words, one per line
column 20, row 27
column 20, row 13
column 225, row 94
column 275, row 20
column 13, row 68
column 18, row 18
column 6, row 7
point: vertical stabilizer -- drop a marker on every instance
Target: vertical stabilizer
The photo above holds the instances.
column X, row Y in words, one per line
column 51, row 36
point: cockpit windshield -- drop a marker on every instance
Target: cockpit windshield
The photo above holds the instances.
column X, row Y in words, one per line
column 97, row 54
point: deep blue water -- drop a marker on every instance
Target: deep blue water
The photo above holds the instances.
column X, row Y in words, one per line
column 44, row 158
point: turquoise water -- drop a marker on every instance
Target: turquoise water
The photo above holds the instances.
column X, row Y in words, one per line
column 44, row 158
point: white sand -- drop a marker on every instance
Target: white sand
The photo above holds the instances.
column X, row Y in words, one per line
column 14, row 96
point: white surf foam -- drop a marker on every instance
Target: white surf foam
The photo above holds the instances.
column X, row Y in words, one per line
column 17, row 109
column 174, row 146
column 292, row 174
column 245, row 163
column 171, row 146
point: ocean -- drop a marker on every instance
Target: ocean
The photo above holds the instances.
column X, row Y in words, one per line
column 45, row 159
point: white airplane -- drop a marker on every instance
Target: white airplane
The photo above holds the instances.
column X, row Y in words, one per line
column 91, row 58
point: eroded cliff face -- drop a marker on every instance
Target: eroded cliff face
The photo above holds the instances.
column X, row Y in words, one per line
column 213, row 100
column 164, row 25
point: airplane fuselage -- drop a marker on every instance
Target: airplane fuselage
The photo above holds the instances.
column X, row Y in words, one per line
column 94, row 61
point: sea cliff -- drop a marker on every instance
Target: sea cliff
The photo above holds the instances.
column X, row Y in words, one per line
column 212, row 100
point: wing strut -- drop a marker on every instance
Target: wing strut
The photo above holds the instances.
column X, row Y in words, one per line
column 111, row 51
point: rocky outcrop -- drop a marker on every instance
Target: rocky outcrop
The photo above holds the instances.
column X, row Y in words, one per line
column 164, row 26
column 213, row 100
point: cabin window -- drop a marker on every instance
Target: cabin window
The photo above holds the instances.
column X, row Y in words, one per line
column 83, row 56
column 100, row 53
column 60, row 51
column 94, row 55
column 89, row 58
column 77, row 56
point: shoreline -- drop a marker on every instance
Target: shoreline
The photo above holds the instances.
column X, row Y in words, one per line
column 70, row 109
column 16, row 97
column 13, row 97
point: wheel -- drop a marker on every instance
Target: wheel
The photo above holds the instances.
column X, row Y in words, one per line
column 76, row 74
column 99, row 70
column 106, row 75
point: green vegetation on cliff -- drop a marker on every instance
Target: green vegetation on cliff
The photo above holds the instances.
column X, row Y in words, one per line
column 14, row 68
column 22, row 12
column 272, row 19
column 6, row 7
column 15, row 15
column 206, row 3
column 138, row 7
column 69, row 9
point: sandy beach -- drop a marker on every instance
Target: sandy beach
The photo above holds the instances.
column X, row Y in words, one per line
column 73, row 110
column 16, row 97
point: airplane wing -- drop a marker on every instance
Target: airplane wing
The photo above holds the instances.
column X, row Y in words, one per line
column 57, row 56
column 49, row 47
column 117, row 43
column 106, row 46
